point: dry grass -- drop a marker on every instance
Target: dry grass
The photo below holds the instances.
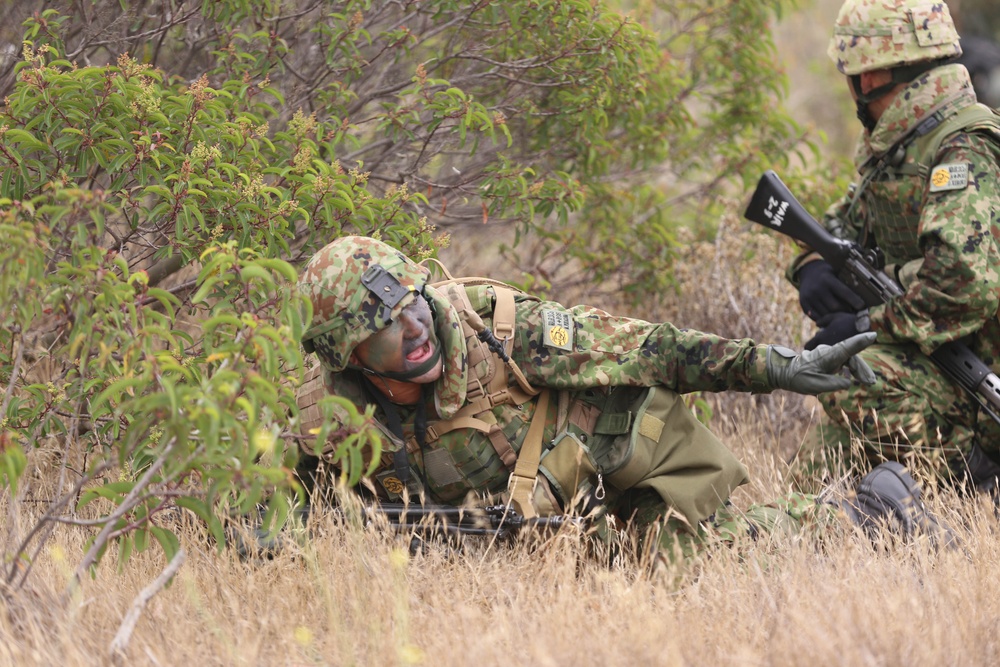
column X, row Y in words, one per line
column 353, row 596
column 349, row 596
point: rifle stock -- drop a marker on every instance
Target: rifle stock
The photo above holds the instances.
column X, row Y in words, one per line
column 773, row 206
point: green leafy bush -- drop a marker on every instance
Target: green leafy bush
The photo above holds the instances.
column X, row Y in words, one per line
column 165, row 169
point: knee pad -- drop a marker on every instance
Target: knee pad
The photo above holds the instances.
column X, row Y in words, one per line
column 890, row 495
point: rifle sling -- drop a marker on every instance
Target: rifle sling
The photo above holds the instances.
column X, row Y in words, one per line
column 521, row 484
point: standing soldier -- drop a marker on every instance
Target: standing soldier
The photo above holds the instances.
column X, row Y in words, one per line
column 929, row 184
column 483, row 390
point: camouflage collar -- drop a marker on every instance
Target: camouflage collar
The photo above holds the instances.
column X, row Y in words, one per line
column 943, row 89
column 450, row 389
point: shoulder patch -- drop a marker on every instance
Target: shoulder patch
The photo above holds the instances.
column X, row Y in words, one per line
column 557, row 329
column 954, row 176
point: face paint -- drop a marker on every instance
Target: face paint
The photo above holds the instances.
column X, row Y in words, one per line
column 404, row 346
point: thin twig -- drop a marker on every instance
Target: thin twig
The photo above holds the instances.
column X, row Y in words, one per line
column 120, row 642
column 43, row 529
column 126, row 506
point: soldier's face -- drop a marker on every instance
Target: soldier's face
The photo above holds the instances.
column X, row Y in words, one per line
column 403, row 345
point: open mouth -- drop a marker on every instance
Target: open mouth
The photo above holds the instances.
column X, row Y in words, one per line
column 421, row 353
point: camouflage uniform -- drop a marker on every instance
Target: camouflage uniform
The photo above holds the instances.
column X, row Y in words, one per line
column 618, row 431
column 927, row 198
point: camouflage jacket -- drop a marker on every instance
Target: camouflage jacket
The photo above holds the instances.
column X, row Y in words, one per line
column 602, row 362
column 935, row 216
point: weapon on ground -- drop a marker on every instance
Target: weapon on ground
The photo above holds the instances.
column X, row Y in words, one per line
column 499, row 520
column 772, row 205
column 422, row 521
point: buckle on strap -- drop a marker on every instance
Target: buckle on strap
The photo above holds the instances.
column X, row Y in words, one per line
column 520, row 490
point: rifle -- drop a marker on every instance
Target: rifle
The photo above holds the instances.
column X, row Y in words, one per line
column 500, row 520
column 422, row 521
column 772, row 205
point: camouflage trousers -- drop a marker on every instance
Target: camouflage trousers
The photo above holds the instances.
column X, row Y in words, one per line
column 788, row 516
column 912, row 414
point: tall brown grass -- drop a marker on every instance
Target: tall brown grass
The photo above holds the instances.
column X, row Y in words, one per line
column 355, row 596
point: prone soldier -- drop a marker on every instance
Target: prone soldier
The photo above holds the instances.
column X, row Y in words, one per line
column 481, row 390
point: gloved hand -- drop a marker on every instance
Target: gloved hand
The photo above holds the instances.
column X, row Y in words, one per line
column 836, row 327
column 822, row 293
column 817, row 371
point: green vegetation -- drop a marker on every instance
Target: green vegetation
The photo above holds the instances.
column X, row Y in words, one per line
column 166, row 167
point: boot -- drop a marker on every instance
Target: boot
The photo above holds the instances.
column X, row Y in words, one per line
column 890, row 495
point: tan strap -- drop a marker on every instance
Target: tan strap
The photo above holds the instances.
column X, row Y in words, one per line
column 501, row 445
column 440, row 267
column 503, row 329
column 512, row 395
column 562, row 412
column 504, row 316
column 468, row 280
column 521, row 484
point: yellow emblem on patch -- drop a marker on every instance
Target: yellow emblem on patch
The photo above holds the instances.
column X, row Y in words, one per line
column 940, row 178
column 559, row 335
column 949, row 177
column 557, row 329
column 392, row 485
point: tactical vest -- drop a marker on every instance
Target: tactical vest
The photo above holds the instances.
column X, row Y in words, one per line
column 893, row 193
column 483, row 445
column 477, row 449
column 892, row 190
column 495, row 408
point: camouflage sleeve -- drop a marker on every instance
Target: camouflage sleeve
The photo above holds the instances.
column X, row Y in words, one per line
column 955, row 288
column 580, row 347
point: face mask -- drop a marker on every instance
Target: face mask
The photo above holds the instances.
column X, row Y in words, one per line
column 862, row 101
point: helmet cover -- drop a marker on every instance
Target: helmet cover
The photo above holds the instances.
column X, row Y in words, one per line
column 883, row 34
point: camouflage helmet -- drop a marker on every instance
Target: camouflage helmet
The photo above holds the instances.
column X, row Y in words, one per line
column 356, row 285
column 884, row 34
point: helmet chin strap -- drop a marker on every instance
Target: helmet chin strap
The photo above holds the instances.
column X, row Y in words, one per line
column 406, row 376
column 862, row 100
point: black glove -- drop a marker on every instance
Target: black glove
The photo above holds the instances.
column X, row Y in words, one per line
column 836, row 327
column 822, row 293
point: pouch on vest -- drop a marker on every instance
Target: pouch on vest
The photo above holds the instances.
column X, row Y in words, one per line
column 669, row 451
column 543, row 499
column 568, row 467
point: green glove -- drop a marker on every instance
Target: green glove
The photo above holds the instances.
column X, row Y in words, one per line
column 817, row 371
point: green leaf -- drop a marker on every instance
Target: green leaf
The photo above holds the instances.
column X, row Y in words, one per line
column 25, row 139
column 12, row 463
column 168, row 541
